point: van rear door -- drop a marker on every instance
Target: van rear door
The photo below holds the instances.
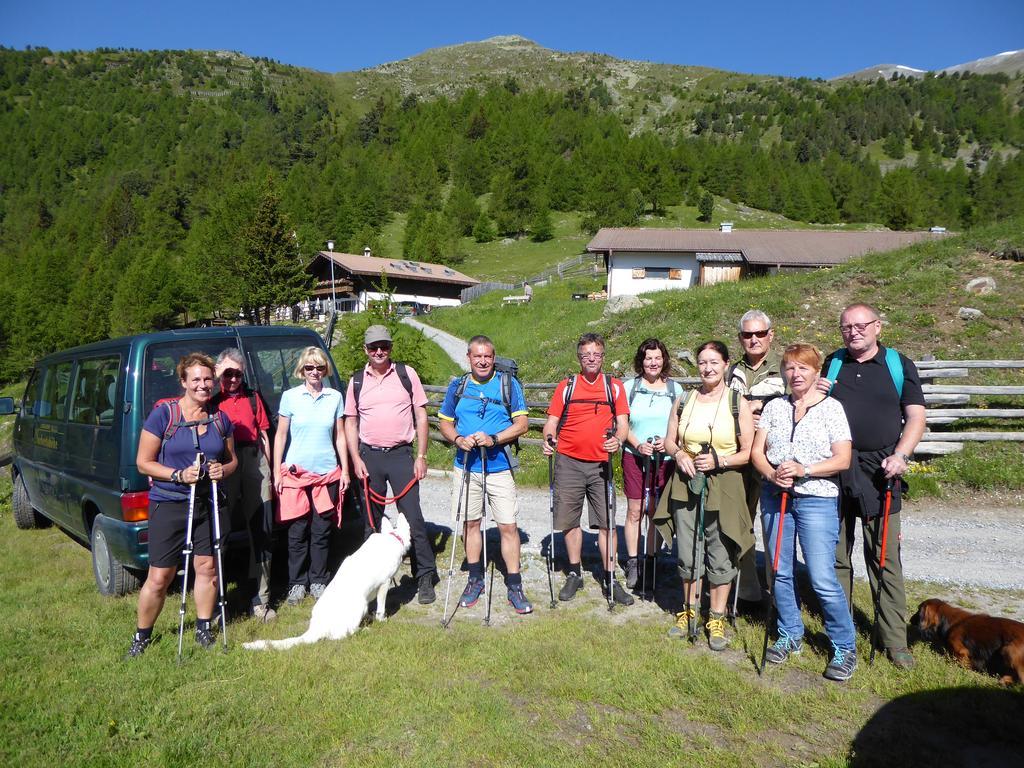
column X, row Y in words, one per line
column 45, row 479
column 271, row 362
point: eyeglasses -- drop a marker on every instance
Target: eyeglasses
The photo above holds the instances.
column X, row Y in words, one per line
column 311, row 368
column 232, row 373
column 751, row 334
column 858, row 327
column 383, row 347
column 591, row 356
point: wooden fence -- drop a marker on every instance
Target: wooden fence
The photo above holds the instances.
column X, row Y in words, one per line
column 947, row 404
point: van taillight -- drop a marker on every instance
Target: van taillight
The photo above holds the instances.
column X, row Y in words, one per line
column 135, row 506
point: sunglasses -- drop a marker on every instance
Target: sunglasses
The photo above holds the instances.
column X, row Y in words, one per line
column 232, row 373
column 378, row 347
column 311, row 368
column 752, row 334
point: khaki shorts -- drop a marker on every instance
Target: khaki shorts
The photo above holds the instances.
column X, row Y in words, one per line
column 575, row 481
column 502, row 498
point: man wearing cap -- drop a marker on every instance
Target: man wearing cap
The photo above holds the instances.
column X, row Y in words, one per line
column 758, row 377
column 385, row 408
column 477, row 419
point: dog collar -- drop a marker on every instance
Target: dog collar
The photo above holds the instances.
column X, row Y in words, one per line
column 400, row 539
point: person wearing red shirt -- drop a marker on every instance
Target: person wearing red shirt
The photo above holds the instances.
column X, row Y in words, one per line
column 588, row 419
column 248, row 489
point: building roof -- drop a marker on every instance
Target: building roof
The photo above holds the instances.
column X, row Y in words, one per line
column 802, row 248
column 410, row 270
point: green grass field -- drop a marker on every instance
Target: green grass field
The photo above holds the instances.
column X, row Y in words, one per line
column 570, row 687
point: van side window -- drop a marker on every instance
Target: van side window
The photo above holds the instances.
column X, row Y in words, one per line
column 52, row 403
column 93, row 399
column 28, row 404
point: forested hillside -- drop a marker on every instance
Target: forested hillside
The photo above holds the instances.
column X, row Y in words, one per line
column 137, row 185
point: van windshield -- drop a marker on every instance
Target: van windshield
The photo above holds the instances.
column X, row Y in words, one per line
column 271, row 362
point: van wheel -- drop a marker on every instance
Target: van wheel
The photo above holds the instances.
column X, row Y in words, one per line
column 112, row 578
column 24, row 516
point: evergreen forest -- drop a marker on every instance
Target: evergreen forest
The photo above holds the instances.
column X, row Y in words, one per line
column 138, row 186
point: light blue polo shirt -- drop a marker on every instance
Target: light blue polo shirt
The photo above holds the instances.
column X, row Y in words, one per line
column 311, row 427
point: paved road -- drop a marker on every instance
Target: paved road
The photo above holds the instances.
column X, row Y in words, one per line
column 982, row 547
column 453, row 346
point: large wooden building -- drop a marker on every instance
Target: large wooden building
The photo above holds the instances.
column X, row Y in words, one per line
column 357, row 280
column 641, row 260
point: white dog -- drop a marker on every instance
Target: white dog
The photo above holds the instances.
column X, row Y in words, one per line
column 365, row 573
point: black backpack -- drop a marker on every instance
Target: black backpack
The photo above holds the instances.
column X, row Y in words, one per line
column 357, row 383
column 567, row 400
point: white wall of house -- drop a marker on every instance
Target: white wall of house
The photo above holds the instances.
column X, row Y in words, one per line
column 661, row 272
column 433, row 301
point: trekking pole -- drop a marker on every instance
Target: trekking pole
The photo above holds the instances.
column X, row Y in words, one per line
column 773, row 615
column 551, row 508
column 642, row 540
column 187, row 552
column 652, row 532
column 446, row 620
column 610, row 510
column 876, row 630
column 698, row 558
column 483, row 534
column 220, row 564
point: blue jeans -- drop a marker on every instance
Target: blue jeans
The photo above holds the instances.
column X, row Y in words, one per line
column 815, row 521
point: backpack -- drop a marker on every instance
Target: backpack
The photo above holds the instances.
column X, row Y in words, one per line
column 636, row 387
column 892, row 362
column 175, row 421
column 567, row 400
column 357, row 382
column 507, row 369
column 734, row 406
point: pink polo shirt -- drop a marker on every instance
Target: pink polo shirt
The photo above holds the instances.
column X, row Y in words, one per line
column 385, row 409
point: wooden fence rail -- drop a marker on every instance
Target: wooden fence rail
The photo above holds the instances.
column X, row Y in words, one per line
column 938, row 398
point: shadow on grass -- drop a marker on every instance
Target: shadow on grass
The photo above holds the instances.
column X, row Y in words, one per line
column 948, row 727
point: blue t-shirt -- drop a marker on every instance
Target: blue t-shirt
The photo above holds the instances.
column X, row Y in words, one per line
column 180, row 451
column 649, row 411
column 480, row 409
column 311, row 427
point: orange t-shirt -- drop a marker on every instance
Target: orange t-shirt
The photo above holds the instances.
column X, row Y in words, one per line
column 589, row 416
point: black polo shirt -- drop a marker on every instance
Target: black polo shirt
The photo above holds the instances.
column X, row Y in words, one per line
column 869, row 398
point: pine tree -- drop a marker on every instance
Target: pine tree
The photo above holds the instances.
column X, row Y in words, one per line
column 706, row 206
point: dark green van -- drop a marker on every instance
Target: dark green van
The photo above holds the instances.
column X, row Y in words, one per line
column 77, row 432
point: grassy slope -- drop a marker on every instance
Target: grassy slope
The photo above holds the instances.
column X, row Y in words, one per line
column 919, row 290
column 556, row 688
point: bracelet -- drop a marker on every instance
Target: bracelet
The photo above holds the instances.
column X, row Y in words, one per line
column 421, row 455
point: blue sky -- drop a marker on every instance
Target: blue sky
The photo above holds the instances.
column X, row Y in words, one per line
column 816, row 39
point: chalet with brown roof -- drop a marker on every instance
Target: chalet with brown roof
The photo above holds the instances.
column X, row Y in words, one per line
column 357, row 280
column 641, row 260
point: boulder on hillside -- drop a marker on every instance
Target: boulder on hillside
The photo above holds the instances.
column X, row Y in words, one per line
column 967, row 313
column 981, row 286
column 624, row 304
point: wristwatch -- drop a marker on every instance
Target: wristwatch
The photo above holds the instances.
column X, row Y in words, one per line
column 807, row 470
column 906, row 459
column 494, row 441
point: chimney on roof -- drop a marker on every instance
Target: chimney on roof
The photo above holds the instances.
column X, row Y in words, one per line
column 366, row 250
column 725, row 226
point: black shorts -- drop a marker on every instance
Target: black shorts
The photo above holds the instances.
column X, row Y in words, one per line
column 167, row 521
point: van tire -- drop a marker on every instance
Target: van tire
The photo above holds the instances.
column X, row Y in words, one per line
column 112, row 578
column 25, row 517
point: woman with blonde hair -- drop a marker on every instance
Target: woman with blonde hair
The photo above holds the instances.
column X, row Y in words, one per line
column 310, row 472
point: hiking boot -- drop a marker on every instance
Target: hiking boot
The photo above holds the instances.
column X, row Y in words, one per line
column 425, row 591
column 842, row 665
column 632, row 573
column 296, row 594
column 783, row 648
column 471, row 594
column 204, row 637
column 717, row 641
column 573, row 584
column 317, row 590
column 139, row 646
column 517, row 599
column 681, row 628
column 264, row 612
column 901, row 658
column 619, row 595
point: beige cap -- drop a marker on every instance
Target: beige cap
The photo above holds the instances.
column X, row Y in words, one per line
column 376, row 333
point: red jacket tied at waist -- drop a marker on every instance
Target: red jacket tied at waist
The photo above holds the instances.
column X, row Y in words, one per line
column 294, row 501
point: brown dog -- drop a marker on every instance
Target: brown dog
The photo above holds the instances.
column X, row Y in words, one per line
column 978, row 641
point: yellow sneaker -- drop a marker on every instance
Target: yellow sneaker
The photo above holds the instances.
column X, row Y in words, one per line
column 717, row 640
column 681, row 628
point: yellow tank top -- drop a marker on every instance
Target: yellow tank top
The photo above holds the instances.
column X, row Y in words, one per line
column 710, row 422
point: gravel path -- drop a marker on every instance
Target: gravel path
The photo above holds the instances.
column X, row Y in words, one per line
column 983, row 547
column 453, row 346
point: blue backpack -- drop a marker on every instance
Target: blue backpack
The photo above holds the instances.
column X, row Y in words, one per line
column 892, row 362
